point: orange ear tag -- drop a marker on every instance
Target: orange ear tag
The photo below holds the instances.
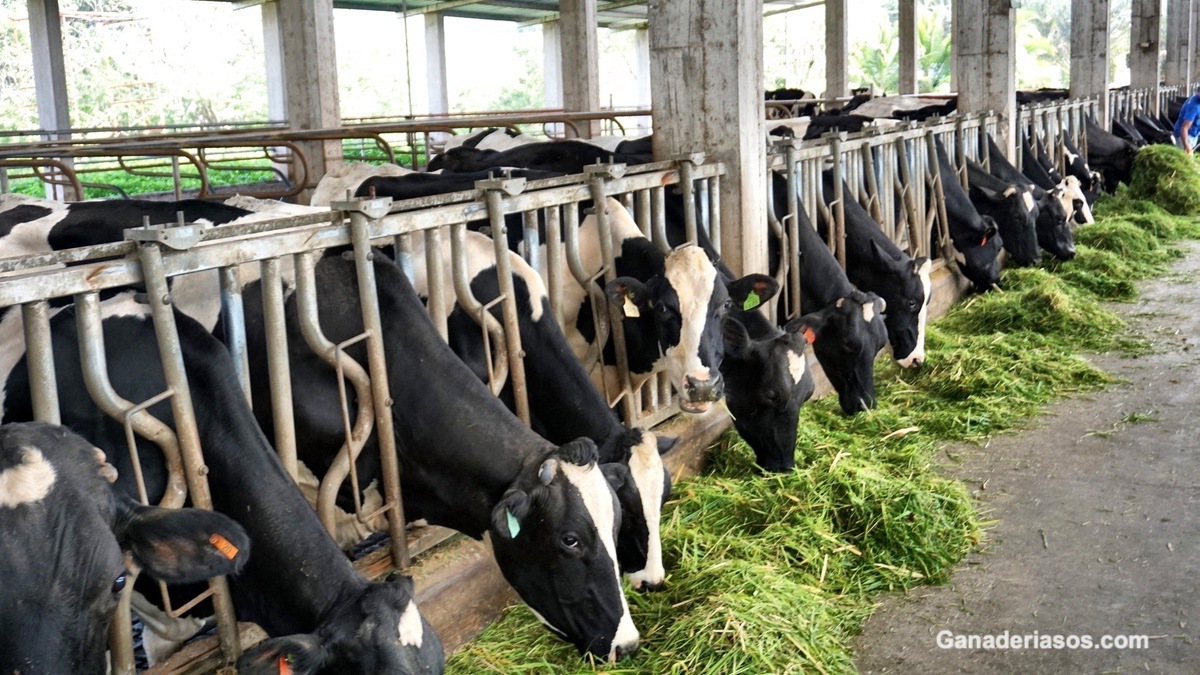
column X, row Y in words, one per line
column 285, row 665
column 810, row 335
column 984, row 242
column 225, row 547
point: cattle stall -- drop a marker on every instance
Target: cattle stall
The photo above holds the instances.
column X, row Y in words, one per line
column 283, row 251
column 1053, row 124
column 1125, row 102
column 892, row 174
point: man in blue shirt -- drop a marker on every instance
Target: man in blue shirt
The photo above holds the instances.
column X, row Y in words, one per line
column 1187, row 127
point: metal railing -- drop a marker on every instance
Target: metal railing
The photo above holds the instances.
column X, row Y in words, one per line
column 1053, row 123
column 893, row 174
column 274, row 248
column 1125, row 102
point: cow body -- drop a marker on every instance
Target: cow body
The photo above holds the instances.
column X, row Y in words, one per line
column 1053, row 231
column 1012, row 208
column 297, row 582
column 907, row 107
column 1111, row 156
column 875, row 264
column 976, row 237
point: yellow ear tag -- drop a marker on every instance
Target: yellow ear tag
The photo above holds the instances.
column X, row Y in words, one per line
column 514, row 527
column 630, row 309
column 224, row 546
column 752, row 301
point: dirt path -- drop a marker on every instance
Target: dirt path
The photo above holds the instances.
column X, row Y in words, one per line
column 1098, row 531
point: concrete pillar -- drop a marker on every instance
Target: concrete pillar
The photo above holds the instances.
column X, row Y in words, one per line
column 580, row 60
column 310, row 77
column 706, row 72
column 1144, row 43
column 273, row 55
column 552, row 64
column 837, row 46
column 985, row 46
column 1177, row 69
column 50, row 79
column 641, row 52
column 435, row 63
column 1089, row 52
column 909, row 78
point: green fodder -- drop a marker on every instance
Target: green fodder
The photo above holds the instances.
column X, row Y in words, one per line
column 1036, row 300
column 1104, row 274
column 1147, row 215
column 1122, row 237
column 1169, row 177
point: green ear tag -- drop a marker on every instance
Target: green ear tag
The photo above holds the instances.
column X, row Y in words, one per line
column 514, row 528
column 752, row 301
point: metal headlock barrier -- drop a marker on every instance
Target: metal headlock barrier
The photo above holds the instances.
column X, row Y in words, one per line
column 275, row 250
column 1124, row 103
column 202, row 157
column 1051, row 124
column 893, row 174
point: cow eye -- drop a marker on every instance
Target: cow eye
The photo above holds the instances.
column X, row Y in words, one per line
column 119, row 583
column 570, row 541
column 728, row 304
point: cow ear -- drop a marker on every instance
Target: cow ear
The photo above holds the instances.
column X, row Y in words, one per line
column 881, row 256
column 300, row 654
column 665, row 443
column 922, row 265
column 752, row 290
column 737, row 340
column 580, row 452
column 618, row 476
column 990, row 195
column 181, row 545
column 629, row 295
column 509, row 514
column 807, row 326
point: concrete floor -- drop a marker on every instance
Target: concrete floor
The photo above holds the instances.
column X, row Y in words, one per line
column 1098, row 522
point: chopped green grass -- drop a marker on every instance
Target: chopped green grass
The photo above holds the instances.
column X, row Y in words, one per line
column 1167, row 176
column 775, row 574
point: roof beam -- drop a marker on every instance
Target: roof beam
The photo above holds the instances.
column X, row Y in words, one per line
column 602, row 7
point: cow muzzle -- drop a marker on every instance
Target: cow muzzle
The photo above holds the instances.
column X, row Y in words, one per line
column 698, row 394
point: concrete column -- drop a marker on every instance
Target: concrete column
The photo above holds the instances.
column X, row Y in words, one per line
column 1177, row 70
column 580, row 60
column 1089, row 52
column 50, row 79
column 985, row 46
column 837, row 46
column 641, row 51
column 909, row 77
column 552, row 64
column 1144, row 43
column 435, row 63
column 273, row 55
column 706, row 71
column 310, row 77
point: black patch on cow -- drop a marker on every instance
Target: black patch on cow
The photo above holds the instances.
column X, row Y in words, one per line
column 21, row 214
column 91, row 223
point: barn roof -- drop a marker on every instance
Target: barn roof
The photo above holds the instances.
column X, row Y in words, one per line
column 615, row 14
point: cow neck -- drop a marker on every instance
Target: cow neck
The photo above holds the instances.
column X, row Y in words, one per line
column 278, row 589
column 461, row 447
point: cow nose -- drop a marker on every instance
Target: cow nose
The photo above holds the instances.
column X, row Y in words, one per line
column 621, row 651
column 648, row 587
column 703, row 390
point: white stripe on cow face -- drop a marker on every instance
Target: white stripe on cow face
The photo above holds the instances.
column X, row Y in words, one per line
column 599, row 501
column 797, row 364
column 646, row 467
column 27, row 482
column 412, row 634
column 1028, row 197
column 692, row 275
column 918, row 352
column 1073, row 190
column 868, row 311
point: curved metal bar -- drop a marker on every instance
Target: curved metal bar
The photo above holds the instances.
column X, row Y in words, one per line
column 462, row 289
column 364, row 422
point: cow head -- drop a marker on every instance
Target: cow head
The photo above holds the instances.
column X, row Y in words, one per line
column 1053, row 225
column 978, row 255
column 767, row 381
column 378, row 631
column 1017, row 219
column 642, row 485
column 682, row 308
column 1081, row 210
column 65, row 529
column 554, row 537
column 907, row 297
column 846, row 336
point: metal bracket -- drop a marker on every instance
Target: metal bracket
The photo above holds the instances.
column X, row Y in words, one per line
column 372, row 207
column 693, row 157
column 783, row 144
column 509, row 186
column 177, row 236
column 613, row 170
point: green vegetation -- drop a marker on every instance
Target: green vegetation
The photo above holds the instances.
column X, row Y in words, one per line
column 1168, row 176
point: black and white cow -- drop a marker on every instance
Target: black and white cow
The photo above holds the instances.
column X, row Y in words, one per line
column 1036, row 166
column 65, row 530
column 1053, row 231
column 1109, row 155
column 976, row 237
column 1091, row 182
column 298, row 585
column 466, row 462
column 1152, row 130
column 875, row 264
column 564, row 156
column 564, row 404
column 794, row 110
column 1012, row 208
column 493, row 138
column 845, row 326
column 907, row 107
